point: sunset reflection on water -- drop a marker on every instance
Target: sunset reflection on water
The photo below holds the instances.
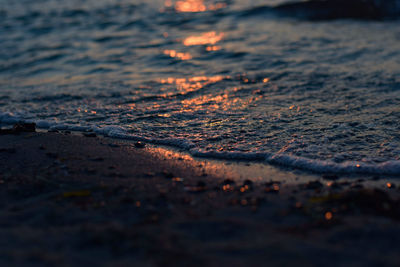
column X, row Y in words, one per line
column 208, row 38
column 186, row 85
column 178, row 55
column 223, row 102
column 193, row 6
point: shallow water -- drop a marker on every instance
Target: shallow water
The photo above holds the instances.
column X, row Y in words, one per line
column 218, row 78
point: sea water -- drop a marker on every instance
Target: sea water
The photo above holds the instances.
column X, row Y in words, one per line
column 222, row 79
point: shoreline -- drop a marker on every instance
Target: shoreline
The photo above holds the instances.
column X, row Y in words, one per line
column 388, row 169
column 70, row 199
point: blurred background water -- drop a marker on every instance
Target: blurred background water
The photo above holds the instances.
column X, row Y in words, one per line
column 226, row 77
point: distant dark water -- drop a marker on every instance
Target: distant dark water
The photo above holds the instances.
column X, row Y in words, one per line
column 200, row 75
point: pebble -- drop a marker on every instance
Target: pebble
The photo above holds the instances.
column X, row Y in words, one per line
column 140, row 144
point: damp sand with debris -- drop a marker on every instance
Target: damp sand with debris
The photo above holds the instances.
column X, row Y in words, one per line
column 73, row 199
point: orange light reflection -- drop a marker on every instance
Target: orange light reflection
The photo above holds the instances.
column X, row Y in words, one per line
column 222, row 102
column 194, row 6
column 179, row 55
column 193, row 83
column 213, row 48
column 208, row 38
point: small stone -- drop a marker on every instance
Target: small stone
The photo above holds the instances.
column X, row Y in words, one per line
column 391, row 185
column 140, row 144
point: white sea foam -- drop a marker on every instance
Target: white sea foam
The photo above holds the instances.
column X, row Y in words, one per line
column 391, row 167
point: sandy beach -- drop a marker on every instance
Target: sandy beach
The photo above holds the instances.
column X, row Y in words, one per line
column 71, row 199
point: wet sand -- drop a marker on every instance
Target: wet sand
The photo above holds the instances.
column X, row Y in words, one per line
column 77, row 199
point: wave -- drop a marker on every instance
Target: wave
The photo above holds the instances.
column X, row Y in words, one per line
column 332, row 9
column 391, row 167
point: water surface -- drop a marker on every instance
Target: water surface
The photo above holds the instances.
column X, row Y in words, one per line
column 203, row 76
